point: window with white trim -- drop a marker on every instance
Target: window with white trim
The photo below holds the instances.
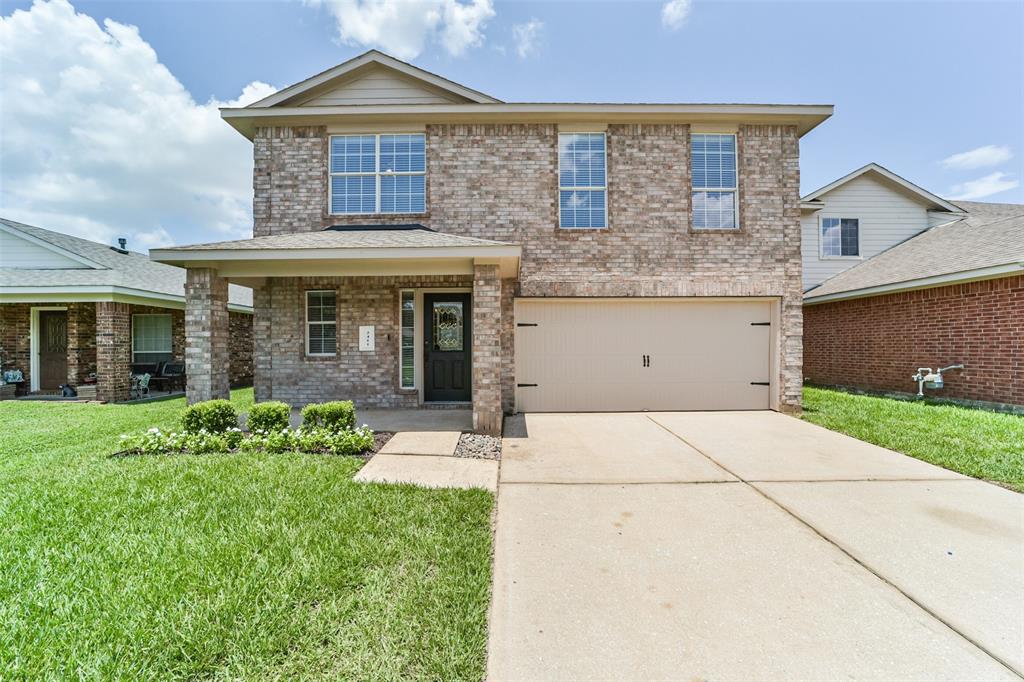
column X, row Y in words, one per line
column 713, row 179
column 407, row 360
column 582, row 181
column 378, row 173
column 321, row 322
column 840, row 237
column 152, row 338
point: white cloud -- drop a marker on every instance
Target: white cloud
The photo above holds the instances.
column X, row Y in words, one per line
column 986, row 186
column 403, row 27
column 982, row 157
column 527, row 37
column 101, row 140
column 674, row 13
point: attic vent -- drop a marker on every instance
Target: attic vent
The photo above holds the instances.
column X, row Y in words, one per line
column 122, row 245
column 376, row 228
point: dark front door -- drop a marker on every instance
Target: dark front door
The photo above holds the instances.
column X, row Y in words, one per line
column 53, row 348
column 448, row 344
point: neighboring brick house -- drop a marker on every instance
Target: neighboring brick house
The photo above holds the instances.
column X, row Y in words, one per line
column 77, row 312
column 418, row 242
column 918, row 281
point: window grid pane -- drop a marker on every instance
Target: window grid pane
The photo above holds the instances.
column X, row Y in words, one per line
column 582, row 177
column 321, row 326
column 151, row 334
column 840, row 237
column 408, row 340
column 713, row 179
column 378, row 173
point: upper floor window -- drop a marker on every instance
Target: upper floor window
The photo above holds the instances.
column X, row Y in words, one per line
column 713, row 166
column 582, row 182
column 378, row 173
column 840, row 237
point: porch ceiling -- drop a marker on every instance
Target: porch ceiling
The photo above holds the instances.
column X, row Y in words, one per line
column 347, row 250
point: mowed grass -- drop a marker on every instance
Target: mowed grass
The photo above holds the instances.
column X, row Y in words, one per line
column 978, row 443
column 226, row 566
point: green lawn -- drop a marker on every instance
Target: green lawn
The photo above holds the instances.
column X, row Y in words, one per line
column 226, row 566
column 986, row 445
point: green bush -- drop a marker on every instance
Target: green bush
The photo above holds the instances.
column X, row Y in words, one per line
column 214, row 416
column 269, row 416
column 336, row 416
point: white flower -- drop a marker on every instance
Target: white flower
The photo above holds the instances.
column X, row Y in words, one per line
column 154, row 430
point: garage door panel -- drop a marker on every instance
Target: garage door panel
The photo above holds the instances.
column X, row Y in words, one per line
column 587, row 355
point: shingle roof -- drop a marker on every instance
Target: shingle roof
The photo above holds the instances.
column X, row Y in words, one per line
column 990, row 235
column 127, row 270
column 348, row 237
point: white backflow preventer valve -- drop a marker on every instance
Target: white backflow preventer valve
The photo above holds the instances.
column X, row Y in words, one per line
column 926, row 378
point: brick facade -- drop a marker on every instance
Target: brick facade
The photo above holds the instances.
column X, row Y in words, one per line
column 487, row 356
column 878, row 343
column 113, row 350
column 500, row 182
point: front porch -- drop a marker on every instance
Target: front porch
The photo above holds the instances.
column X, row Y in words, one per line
column 388, row 317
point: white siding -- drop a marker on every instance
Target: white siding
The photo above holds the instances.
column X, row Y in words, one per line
column 16, row 252
column 887, row 217
column 380, row 86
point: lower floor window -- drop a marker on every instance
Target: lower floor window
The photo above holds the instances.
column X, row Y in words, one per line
column 408, row 340
column 321, row 323
column 152, row 338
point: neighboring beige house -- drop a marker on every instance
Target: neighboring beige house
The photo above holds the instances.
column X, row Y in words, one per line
column 900, row 279
column 80, row 313
column 417, row 242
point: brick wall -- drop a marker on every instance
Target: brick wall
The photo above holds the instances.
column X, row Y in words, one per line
column 878, row 343
column 500, row 182
column 240, row 349
column 207, row 331
column 81, row 342
column 15, row 321
column 487, row 357
column 113, row 350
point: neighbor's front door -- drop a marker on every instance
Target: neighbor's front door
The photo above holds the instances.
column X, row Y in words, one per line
column 53, row 348
column 448, row 344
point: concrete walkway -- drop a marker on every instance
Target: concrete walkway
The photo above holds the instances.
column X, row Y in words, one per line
column 743, row 545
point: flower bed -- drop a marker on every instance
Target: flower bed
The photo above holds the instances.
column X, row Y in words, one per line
column 212, row 428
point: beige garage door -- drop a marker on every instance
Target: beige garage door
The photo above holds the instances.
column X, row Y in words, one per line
column 596, row 355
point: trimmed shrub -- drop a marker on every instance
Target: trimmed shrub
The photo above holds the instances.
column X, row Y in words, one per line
column 269, row 416
column 214, row 416
column 336, row 416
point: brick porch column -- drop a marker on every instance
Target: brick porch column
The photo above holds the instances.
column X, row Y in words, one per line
column 487, row 413
column 262, row 355
column 113, row 351
column 206, row 335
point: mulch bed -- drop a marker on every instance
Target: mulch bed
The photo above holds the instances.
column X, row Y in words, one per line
column 380, row 438
column 477, row 446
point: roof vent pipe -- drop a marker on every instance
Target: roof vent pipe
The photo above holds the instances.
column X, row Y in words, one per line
column 122, row 243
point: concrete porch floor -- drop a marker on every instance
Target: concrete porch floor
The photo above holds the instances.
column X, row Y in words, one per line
column 415, row 419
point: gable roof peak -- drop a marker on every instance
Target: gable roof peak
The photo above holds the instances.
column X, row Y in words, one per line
column 921, row 193
column 369, row 59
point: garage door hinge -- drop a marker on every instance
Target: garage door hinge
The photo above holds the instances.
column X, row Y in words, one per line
column 526, row 324
column 526, row 385
column 760, row 383
column 760, row 324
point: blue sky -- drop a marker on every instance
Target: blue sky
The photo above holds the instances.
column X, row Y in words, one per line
column 914, row 84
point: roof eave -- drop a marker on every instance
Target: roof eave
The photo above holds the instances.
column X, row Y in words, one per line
column 947, row 279
column 805, row 117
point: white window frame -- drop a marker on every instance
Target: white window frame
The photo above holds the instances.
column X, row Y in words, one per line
column 603, row 188
column 735, row 190
column 821, row 237
column 401, row 356
column 376, row 174
column 321, row 323
column 170, row 349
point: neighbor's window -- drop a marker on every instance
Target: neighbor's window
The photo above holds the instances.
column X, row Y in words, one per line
column 713, row 161
column 378, row 173
column 582, row 182
column 151, row 338
column 321, row 323
column 408, row 315
column 840, row 237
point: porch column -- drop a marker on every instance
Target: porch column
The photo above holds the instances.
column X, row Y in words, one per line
column 262, row 355
column 206, row 335
column 113, row 351
column 487, row 413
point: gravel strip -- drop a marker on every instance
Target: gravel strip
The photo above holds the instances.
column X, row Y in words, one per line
column 476, row 446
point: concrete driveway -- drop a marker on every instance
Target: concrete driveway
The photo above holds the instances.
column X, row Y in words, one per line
column 745, row 545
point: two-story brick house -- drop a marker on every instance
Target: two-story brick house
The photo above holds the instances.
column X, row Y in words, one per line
column 417, row 242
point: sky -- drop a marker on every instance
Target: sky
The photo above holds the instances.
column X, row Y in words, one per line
column 108, row 110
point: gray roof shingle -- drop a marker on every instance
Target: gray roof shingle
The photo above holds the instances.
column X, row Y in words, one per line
column 989, row 235
column 128, row 270
column 362, row 237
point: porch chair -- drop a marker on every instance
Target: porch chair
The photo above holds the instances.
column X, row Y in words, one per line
column 140, row 386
